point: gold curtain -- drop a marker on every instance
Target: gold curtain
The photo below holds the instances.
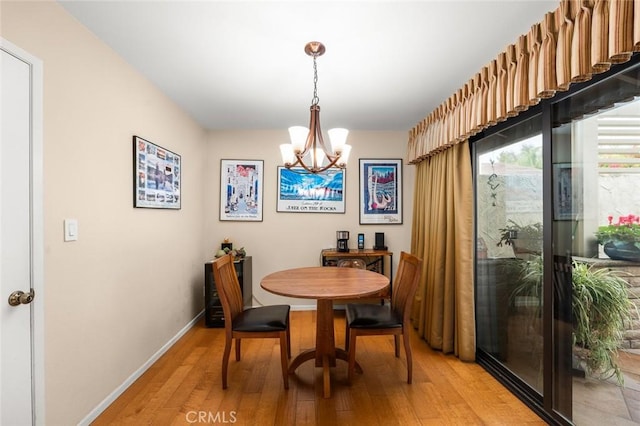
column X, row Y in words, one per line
column 442, row 232
column 547, row 79
column 620, row 30
column 578, row 39
column 581, row 44
column 600, row 37
column 565, row 38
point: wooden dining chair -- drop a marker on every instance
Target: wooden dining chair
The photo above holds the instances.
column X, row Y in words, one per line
column 261, row 322
column 370, row 319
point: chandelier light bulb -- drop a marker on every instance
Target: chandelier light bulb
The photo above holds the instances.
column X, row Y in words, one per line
column 318, row 157
column 288, row 156
column 298, row 135
column 344, row 156
column 338, row 138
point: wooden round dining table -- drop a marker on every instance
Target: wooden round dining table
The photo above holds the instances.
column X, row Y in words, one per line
column 325, row 284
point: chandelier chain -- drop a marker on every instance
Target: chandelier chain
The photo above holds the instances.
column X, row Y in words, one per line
column 315, row 99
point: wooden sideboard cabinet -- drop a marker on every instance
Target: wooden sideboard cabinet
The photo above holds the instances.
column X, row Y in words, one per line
column 213, row 314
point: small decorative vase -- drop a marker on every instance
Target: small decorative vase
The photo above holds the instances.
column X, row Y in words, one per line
column 622, row 251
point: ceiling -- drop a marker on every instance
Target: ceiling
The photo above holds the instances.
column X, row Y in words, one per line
column 241, row 64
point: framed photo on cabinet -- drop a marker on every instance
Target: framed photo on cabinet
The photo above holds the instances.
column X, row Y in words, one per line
column 380, row 191
column 241, row 190
column 156, row 176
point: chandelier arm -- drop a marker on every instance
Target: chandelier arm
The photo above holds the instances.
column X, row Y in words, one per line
column 314, row 170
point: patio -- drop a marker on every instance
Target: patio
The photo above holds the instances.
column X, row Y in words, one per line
column 598, row 402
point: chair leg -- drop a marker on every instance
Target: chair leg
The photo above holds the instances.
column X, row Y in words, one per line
column 284, row 359
column 347, row 330
column 396, row 341
column 238, row 349
column 225, row 361
column 407, row 350
column 352, row 354
column 288, row 343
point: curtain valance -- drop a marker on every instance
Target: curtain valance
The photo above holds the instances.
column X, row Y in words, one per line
column 580, row 38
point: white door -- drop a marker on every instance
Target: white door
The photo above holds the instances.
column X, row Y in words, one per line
column 20, row 224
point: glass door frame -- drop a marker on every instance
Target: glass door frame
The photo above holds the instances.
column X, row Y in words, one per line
column 557, row 379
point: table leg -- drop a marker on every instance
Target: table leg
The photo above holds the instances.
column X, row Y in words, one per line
column 325, row 342
column 326, row 378
column 325, row 352
column 325, row 337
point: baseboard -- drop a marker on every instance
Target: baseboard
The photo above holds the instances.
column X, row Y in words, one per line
column 139, row 372
column 303, row 307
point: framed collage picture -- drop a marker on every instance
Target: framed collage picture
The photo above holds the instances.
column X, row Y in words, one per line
column 380, row 191
column 241, row 190
column 303, row 192
column 156, row 176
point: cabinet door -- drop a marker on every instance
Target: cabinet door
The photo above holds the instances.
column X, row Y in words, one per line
column 213, row 314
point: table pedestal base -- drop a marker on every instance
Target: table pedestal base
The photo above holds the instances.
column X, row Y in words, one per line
column 325, row 363
column 325, row 352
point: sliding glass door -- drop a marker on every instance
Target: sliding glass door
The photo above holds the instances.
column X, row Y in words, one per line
column 545, row 185
column 509, row 206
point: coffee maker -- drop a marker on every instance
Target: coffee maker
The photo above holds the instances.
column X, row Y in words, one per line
column 343, row 240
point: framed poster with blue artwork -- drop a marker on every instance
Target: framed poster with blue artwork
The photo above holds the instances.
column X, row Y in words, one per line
column 302, row 192
column 380, row 191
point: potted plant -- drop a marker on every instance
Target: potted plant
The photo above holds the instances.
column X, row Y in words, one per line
column 525, row 239
column 600, row 311
column 621, row 240
column 601, row 308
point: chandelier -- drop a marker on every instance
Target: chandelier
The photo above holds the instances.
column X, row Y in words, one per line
column 307, row 148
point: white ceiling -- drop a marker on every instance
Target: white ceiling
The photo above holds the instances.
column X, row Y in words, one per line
column 241, row 64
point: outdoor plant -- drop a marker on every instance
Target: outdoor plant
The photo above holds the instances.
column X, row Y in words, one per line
column 601, row 307
column 626, row 230
column 514, row 230
column 600, row 310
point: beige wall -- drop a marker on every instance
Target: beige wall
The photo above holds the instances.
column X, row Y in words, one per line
column 134, row 278
column 287, row 240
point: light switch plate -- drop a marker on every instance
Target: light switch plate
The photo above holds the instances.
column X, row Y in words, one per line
column 70, row 229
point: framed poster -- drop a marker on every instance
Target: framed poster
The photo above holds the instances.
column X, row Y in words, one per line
column 241, row 190
column 156, row 176
column 302, row 192
column 567, row 200
column 380, row 191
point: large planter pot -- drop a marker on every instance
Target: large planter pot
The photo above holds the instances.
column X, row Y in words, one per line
column 525, row 248
column 622, row 251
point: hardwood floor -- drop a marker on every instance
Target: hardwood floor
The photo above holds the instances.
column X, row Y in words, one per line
column 184, row 386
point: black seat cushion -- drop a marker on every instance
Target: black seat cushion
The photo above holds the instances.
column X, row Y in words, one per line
column 263, row 318
column 364, row 315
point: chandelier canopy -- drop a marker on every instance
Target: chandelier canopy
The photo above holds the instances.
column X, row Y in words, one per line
column 307, row 148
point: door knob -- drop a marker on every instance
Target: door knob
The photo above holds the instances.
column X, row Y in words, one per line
column 19, row 297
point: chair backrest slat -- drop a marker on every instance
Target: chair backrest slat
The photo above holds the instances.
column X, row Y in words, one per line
column 228, row 286
column 406, row 283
